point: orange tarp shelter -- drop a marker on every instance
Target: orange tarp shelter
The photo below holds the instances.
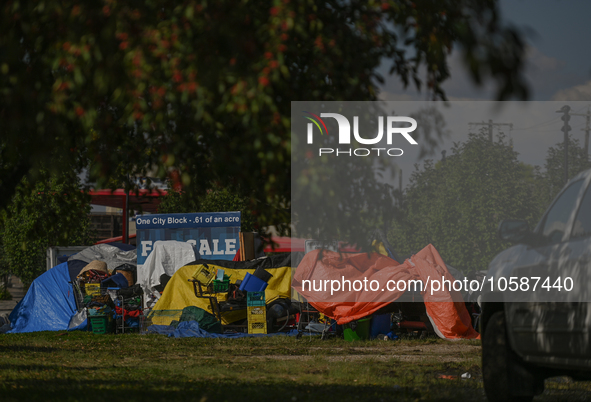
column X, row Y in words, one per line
column 445, row 307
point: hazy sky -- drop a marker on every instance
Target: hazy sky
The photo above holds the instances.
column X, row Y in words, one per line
column 557, row 34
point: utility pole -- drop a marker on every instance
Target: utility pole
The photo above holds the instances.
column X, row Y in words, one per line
column 587, row 128
column 565, row 129
column 490, row 126
column 399, row 198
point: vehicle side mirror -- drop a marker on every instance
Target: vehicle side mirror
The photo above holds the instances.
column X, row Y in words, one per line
column 514, row 230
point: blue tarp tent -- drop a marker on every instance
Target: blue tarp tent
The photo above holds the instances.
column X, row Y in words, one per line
column 48, row 305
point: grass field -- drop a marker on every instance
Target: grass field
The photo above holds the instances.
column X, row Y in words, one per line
column 79, row 366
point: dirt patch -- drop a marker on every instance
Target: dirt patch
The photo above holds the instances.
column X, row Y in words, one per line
column 443, row 352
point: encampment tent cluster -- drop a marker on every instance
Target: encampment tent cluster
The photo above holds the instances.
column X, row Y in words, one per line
column 175, row 293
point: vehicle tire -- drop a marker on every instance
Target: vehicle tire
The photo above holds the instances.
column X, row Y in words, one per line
column 498, row 361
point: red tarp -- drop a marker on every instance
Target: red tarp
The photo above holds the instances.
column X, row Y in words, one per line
column 288, row 244
column 446, row 309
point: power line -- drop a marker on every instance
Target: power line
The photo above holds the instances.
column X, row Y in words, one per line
column 490, row 126
column 545, row 123
column 553, row 130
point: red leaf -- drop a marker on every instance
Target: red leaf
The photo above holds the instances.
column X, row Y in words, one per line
column 264, row 81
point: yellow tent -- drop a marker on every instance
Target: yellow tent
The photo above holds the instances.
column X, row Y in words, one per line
column 179, row 292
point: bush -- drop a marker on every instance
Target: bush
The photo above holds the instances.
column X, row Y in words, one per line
column 456, row 204
column 53, row 212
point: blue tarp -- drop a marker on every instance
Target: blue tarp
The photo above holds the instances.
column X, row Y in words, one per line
column 48, row 305
column 115, row 281
column 190, row 329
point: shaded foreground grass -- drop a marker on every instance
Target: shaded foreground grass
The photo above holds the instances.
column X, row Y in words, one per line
column 82, row 366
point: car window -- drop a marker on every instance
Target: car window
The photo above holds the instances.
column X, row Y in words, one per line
column 582, row 225
column 557, row 218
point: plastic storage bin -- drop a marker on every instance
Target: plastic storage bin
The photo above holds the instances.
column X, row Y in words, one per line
column 380, row 324
column 221, row 286
column 204, row 274
column 257, row 327
column 251, row 283
column 357, row 330
column 93, row 289
column 257, row 313
column 255, row 299
column 101, row 324
column 257, row 320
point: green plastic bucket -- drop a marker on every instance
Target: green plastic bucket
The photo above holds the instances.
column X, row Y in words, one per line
column 357, row 330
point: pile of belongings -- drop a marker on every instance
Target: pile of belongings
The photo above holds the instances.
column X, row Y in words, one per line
column 113, row 294
column 97, row 272
column 180, row 291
